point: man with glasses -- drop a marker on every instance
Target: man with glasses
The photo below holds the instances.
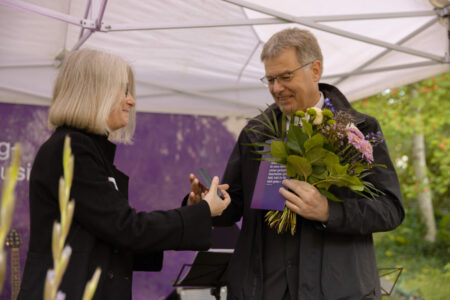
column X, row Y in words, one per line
column 331, row 255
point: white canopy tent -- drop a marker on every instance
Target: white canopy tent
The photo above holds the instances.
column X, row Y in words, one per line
column 202, row 56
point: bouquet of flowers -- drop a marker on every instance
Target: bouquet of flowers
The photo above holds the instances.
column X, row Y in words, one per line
column 322, row 148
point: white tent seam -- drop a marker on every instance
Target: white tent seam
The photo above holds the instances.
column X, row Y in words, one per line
column 201, row 95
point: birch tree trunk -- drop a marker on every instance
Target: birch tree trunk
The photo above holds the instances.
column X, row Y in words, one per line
column 424, row 196
column 420, row 169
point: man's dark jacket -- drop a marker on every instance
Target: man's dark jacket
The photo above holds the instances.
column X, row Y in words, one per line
column 106, row 232
column 336, row 262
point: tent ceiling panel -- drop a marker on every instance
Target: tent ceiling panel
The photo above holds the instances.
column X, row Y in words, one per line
column 28, row 37
column 366, row 85
column 215, row 70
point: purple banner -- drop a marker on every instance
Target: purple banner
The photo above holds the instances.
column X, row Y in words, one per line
column 268, row 184
column 166, row 149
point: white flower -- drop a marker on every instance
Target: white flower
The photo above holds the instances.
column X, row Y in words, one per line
column 319, row 116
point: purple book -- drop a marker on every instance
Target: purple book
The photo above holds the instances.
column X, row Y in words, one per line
column 266, row 194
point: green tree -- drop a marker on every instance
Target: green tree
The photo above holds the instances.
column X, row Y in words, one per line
column 407, row 115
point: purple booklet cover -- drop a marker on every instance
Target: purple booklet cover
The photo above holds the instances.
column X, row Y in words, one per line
column 266, row 194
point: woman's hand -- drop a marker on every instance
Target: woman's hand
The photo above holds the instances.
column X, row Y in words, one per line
column 216, row 204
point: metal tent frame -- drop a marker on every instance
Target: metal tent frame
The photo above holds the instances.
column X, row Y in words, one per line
column 92, row 23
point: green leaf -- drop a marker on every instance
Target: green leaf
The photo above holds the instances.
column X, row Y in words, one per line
column 316, row 140
column 275, row 123
column 257, row 145
column 292, row 120
column 300, row 164
column 318, row 169
column 291, row 171
column 359, row 167
column 317, row 156
column 261, row 152
column 295, row 139
column 313, row 179
column 330, row 195
column 283, row 125
column 307, row 127
column 322, row 175
column 331, row 160
column 265, row 123
column 270, row 136
column 278, row 149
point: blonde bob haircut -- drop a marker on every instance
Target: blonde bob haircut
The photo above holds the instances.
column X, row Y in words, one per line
column 89, row 85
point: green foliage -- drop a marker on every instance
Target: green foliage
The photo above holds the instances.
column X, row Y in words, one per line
column 426, row 266
column 422, row 107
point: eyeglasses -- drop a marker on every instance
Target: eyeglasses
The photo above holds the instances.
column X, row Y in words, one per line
column 281, row 78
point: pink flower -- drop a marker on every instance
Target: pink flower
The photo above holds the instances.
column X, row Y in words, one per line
column 366, row 150
column 354, row 140
column 353, row 129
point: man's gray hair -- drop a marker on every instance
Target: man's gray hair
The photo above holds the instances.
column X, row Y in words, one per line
column 304, row 42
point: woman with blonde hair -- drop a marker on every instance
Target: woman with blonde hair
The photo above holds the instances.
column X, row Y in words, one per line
column 93, row 103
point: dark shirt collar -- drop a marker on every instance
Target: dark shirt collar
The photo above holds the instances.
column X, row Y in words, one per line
column 108, row 148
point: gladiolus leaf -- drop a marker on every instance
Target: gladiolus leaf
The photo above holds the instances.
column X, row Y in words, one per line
column 300, row 164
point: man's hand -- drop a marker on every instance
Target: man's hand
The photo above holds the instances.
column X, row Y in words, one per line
column 306, row 200
column 198, row 190
column 216, row 204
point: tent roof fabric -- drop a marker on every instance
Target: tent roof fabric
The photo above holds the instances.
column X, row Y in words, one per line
column 202, row 56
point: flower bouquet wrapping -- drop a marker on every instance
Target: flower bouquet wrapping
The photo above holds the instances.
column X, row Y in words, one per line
column 322, row 148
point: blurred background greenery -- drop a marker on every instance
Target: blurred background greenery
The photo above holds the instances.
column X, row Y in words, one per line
column 415, row 120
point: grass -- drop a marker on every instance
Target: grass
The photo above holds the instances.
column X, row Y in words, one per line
column 426, row 271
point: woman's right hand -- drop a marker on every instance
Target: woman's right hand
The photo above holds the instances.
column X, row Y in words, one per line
column 216, row 204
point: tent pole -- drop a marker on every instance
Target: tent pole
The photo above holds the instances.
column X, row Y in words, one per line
column 336, row 31
column 82, row 40
column 248, row 61
column 86, row 13
column 261, row 21
column 384, row 69
column 406, row 38
column 99, row 10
